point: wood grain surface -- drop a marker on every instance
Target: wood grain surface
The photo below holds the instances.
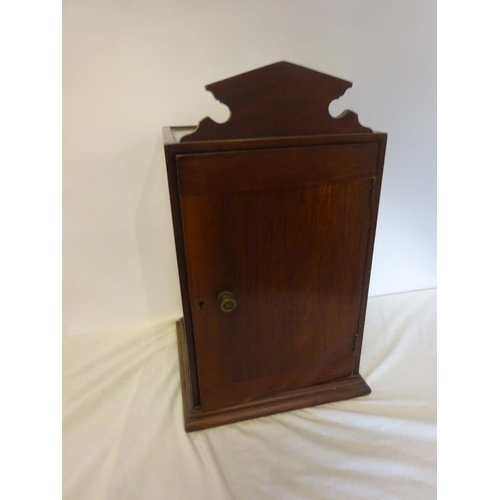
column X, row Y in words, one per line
column 277, row 207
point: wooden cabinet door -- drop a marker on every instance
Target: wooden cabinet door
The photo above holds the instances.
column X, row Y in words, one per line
column 286, row 231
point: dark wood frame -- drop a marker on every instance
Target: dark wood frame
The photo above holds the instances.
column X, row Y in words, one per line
column 353, row 386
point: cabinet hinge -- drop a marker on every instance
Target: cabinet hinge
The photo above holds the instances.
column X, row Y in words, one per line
column 372, row 192
column 355, row 343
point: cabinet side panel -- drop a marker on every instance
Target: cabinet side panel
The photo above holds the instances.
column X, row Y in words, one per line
column 187, row 331
column 382, row 141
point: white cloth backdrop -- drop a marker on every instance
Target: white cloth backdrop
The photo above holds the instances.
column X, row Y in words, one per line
column 123, row 435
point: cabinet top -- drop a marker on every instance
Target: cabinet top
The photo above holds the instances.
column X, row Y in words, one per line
column 282, row 99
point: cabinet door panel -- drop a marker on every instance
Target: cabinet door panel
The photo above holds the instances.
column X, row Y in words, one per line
column 293, row 256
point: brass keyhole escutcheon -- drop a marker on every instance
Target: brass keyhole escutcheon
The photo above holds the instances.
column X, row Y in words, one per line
column 227, row 302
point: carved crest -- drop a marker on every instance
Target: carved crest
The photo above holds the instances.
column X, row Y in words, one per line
column 282, row 99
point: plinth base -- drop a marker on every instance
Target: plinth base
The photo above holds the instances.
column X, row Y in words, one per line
column 196, row 419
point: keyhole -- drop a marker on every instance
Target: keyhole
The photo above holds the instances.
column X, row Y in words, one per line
column 201, row 304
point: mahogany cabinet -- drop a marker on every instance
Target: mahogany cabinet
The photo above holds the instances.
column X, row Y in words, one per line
column 274, row 214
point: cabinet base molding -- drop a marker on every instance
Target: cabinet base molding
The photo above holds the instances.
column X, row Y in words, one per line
column 196, row 419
